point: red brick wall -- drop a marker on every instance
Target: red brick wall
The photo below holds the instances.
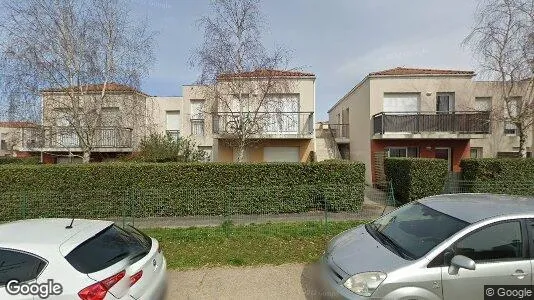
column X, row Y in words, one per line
column 459, row 148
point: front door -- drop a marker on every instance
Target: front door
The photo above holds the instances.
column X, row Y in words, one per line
column 499, row 252
column 444, row 153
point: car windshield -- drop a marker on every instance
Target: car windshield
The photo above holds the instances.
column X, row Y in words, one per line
column 414, row 229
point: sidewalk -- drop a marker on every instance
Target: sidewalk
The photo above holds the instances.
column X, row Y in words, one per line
column 291, row 281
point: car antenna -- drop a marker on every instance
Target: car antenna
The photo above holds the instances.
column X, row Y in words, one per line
column 70, row 225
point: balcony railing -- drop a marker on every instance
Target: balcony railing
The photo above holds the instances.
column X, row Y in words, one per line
column 470, row 122
column 66, row 137
column 339, row 130
column 173, row 134
column 264, row 123
column 197, row 127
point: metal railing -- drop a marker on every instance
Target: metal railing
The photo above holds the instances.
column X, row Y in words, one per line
column 197, row 127
column 62, row 137
column 340, row 130
column 264, row 123
column 474, row 122
column 173, row 134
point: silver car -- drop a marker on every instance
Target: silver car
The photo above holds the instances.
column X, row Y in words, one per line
column 460, row 246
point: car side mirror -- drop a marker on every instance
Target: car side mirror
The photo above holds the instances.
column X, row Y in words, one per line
column 460, row 261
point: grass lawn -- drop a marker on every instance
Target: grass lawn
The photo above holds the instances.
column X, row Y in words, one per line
column 246, row 245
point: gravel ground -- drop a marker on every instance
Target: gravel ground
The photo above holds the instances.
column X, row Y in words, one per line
column 290, row 281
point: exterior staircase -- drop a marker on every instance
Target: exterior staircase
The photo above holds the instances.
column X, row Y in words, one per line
column 325, row 143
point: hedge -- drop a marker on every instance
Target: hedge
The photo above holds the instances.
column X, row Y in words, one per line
column 174, row 189
column 33, row 160
column 498, row 175
column 415, row 178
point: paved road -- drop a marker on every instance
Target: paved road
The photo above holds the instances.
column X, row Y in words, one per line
column 290, row 281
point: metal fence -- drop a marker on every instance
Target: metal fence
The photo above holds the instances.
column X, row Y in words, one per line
column 509, row 187
column 187, row 207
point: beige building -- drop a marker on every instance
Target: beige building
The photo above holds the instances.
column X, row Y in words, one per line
column 10, row 137
column 125, row 116
column 406, row 112
column 282, row 121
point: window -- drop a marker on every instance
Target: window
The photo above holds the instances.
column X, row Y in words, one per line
column 403, row 151
column 108, row 247
column 444, row 103
column 502, row 241
column 482, row 103
column 19, row 265
column 401, row 102
column 476, row 152
column 197, row 107
column 110, row 116
column 511, row 109
column 172, row 124
column 197, row 117
column 3, row 143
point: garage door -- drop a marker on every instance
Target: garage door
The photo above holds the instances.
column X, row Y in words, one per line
column 405, row 102
column 281, row 154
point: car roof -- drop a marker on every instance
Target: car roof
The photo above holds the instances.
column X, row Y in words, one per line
column 37, row 235
column 475, row 207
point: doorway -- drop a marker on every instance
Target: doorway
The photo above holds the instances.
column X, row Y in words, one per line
column 444, row 153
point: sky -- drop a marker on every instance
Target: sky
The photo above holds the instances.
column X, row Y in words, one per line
column 340, row 41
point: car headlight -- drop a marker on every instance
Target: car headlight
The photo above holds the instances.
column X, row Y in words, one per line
column 364, row 284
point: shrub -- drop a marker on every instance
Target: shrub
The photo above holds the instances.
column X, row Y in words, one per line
column 498, row 175
column 159, row 148
column 415, row 178
column 172, row 189
column 33, row 160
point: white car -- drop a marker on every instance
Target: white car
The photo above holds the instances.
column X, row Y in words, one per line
column 79, row 259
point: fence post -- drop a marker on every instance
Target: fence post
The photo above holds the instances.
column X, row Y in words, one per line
column 392, row 193
column 23, row 206
column 325, row 215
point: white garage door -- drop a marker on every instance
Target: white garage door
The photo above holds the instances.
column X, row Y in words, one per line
column 405, row 102
column 281, row 154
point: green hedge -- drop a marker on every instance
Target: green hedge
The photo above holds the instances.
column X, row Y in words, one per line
column 498, row 175
column 172, row 189
column 415, row 178
column 20, row 160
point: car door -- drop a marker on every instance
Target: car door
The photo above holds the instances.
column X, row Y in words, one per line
column 500, row 253
column 19, row 265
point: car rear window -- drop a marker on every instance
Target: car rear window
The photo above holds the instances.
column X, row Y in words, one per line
column 108, row 247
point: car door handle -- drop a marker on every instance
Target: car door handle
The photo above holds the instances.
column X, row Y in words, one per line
column 519, row 274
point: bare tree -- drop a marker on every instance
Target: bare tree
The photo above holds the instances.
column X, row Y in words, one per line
column 503, row 42
column 243, row 89
column 71, row 47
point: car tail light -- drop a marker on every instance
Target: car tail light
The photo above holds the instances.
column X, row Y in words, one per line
column 99, row 290
column 135, row 277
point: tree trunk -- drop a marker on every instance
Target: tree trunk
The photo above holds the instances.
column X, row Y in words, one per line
column 522, row 141
column 241, row 151
column 86, row 156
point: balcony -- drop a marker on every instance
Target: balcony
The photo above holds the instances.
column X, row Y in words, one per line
column 340, row 132
column 264, row 124
column 46, row 138
column 433, row 125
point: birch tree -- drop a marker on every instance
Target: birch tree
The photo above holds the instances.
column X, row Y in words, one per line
column 503, row 42
column 240, row 73
column 71, row 46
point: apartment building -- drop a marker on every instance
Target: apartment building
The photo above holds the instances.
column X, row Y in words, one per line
column 406, row 112
column 10, row 137
column 285, row 131
column 283, row 120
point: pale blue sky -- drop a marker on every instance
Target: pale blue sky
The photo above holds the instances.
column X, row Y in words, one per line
column 339, row 40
